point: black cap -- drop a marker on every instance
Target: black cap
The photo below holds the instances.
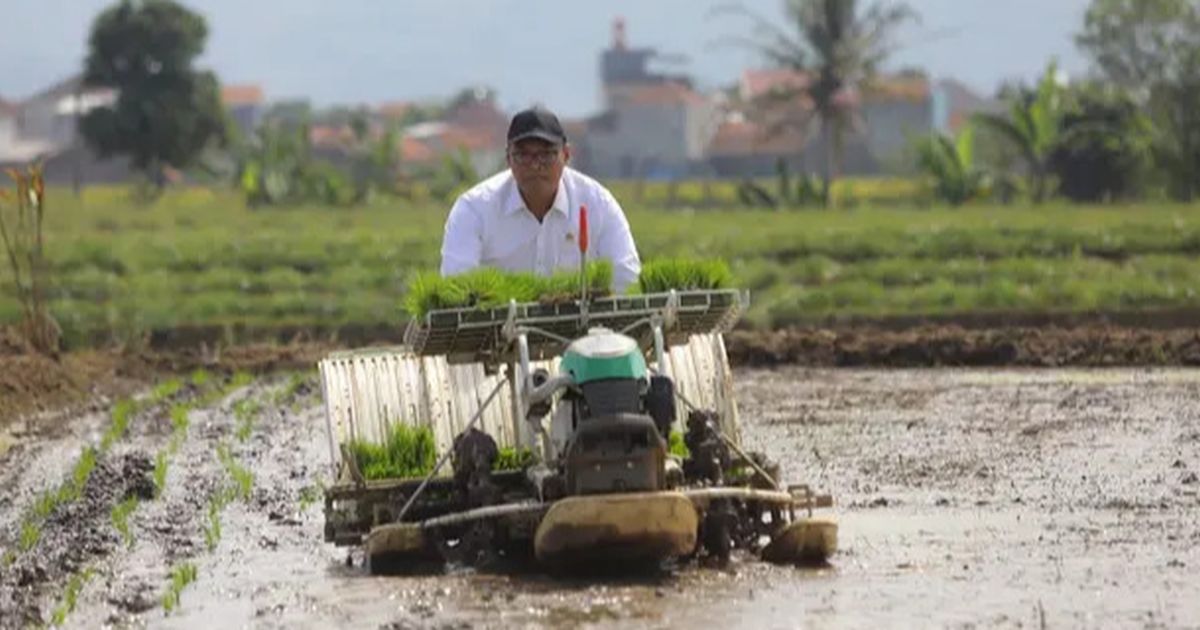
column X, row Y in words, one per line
column 536, row 122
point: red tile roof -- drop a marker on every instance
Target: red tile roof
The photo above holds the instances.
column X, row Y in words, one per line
column 330, row 136
column 757, row 83
column 471, row 139
column 660, row 94
column 739, row 138
column 242, row 95
column 415, row 151
column 394, row 110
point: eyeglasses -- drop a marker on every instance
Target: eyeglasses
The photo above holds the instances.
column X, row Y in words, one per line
column 529, row 158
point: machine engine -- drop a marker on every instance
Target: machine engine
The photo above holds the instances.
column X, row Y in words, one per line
column 618, row 417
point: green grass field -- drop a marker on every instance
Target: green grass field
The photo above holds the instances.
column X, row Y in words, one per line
column 200, row 257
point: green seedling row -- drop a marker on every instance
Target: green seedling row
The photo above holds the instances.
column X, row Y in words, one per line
column 70, row 596
column 408, row 451
column 489, row 288
column 181, row 576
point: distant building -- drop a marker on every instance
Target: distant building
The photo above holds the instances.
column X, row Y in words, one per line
column 246, row 105
column 891, row 113
column 43, row 128
column 653, row 125
column 954, row 103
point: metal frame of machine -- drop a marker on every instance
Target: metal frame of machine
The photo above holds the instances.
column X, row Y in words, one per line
column 478, row 513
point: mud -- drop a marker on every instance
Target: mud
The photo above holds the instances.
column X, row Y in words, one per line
column 75, row 534
column 1011, row 498
column 1095, row 345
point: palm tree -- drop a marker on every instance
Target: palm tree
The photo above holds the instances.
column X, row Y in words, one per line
column 1032, row 125
column 837, row 46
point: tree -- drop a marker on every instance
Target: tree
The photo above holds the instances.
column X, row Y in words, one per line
column 838, row 45
column 951, row 165
column 1032, row 126
column 1136, row 43
column 166, row 112
column 1104, row 143
column 1153, row 48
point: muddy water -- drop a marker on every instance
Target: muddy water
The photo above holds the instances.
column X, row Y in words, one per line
column 966, row 498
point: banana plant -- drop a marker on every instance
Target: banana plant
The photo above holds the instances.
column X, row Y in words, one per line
column 1032, row 124
column 951, row 165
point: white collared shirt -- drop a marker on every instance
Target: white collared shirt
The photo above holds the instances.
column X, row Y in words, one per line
column 489, row 226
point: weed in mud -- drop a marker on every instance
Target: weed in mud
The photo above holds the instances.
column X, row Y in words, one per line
column 10, row 557
column 160, row 473
column 70, row 596
column 181, row 576
column 120, row 518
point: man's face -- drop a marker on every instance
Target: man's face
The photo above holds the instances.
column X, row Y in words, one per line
column 537, row 165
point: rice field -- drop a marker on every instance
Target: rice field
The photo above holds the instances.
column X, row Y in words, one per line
column 199, row 257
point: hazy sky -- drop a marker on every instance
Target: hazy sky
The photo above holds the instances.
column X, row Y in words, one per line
column 367, row 51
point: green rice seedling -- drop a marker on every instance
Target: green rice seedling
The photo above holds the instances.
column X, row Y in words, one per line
column 165, row 390
column 513, row 459
column 31, row 533
column 181, row 576
column 120, row 518
column 212, row 529
column 179, row 419
column 160, row 473
column 490, row 288
column 408, row 451
column 200, row 377
column 428, row 291
column 564, row 286
column 45, row 504
column 240, row 379
column 680, row 274
column 70, row 596
column 244, row 411
column 121, row 413
column 676, row 445
column 311, row 494
column 82, row 471
column 242, row 478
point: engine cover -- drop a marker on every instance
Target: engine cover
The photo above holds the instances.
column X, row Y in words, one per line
column 618, row 453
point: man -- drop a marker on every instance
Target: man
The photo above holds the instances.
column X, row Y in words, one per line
column 527, row 217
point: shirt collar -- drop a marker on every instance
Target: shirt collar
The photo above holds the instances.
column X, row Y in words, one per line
column 516, row 204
